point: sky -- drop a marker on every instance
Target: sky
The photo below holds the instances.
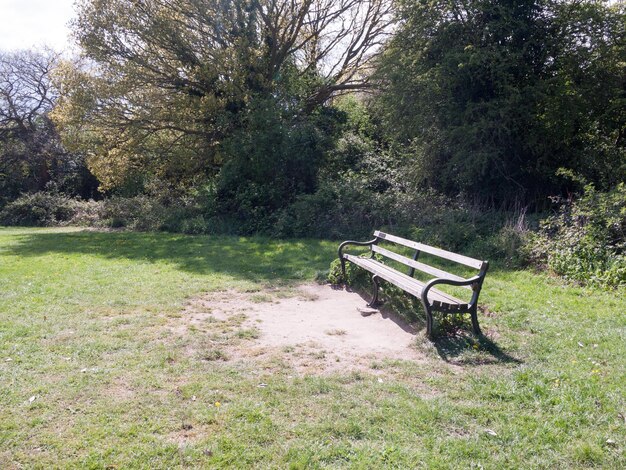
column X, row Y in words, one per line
column 35, row 23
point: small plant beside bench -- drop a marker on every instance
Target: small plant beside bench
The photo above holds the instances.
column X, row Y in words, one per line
column 432, row 299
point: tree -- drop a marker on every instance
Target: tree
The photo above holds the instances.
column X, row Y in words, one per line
column 495, row 96
column 31, row 154
column 168, row 80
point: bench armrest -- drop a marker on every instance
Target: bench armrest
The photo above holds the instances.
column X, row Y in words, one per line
column 476, row 280
column 351, row 242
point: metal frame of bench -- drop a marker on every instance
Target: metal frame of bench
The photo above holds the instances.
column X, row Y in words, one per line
column 432, row 299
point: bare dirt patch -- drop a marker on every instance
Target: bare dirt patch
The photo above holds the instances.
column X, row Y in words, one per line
column 314, row 329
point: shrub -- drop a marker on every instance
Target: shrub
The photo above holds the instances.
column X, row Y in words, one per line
column 165, row 211
column 348, row 209
column 86, row 213
column 195, row 226
column 267, row 164
column 339, row 209
column 150, row 213
column 38, row 209
column 137, row 213
column 586, row 240
column 355, row 276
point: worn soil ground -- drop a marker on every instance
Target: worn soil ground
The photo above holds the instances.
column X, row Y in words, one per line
column 312, row 329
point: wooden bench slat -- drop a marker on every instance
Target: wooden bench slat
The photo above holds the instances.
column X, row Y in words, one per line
column 466, row 260
column 405, row 282
column 401, row 280
column 417, row 265
column 413, row 286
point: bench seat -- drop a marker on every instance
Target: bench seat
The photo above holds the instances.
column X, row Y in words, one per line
column 407, row 283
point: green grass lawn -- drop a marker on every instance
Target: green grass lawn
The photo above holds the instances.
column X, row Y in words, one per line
column 89, row 376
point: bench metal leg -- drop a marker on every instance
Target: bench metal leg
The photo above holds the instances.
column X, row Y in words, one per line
column 376, row 284
column 429, row 320
column 475, row 326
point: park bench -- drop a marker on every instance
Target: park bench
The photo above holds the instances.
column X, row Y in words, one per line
column 432, row 299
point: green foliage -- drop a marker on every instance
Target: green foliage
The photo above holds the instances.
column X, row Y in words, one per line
column 504, row 243
column 354, row 277
column 358, row 119
column 195, row 225
column 268, row 163
column 38, row 209
column 141, row 213
column 151, row 213
column 586, row 240
column 496, row 96
column 344, row 209
column 339, row 209
column 165, row 84
column 137, row 213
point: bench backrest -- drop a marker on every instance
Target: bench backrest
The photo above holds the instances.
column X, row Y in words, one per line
column 422, row 248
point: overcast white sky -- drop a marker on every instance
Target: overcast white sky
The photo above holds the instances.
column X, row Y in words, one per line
column 28, row 23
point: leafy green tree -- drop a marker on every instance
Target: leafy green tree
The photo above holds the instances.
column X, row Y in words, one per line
column 495, row 96
column 166, row 82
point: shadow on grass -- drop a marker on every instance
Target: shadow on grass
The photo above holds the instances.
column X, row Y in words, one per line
column 453, row 341
column 249, row 258
column 465, row 349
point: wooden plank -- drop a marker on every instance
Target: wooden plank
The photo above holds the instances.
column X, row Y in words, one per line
column 403, row 281
column 417, row 265
column 413, row 286
column 466, row 260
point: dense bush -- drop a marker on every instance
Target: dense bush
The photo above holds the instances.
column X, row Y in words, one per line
column 136, row 213
column 348, row 210
column 337, row 210
column 586, row 240
column 142, row 213
column 38, row 209
column 354, row 276
column 359, row 191
column 497, row 96
column 152, row 213
column 267, row 164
